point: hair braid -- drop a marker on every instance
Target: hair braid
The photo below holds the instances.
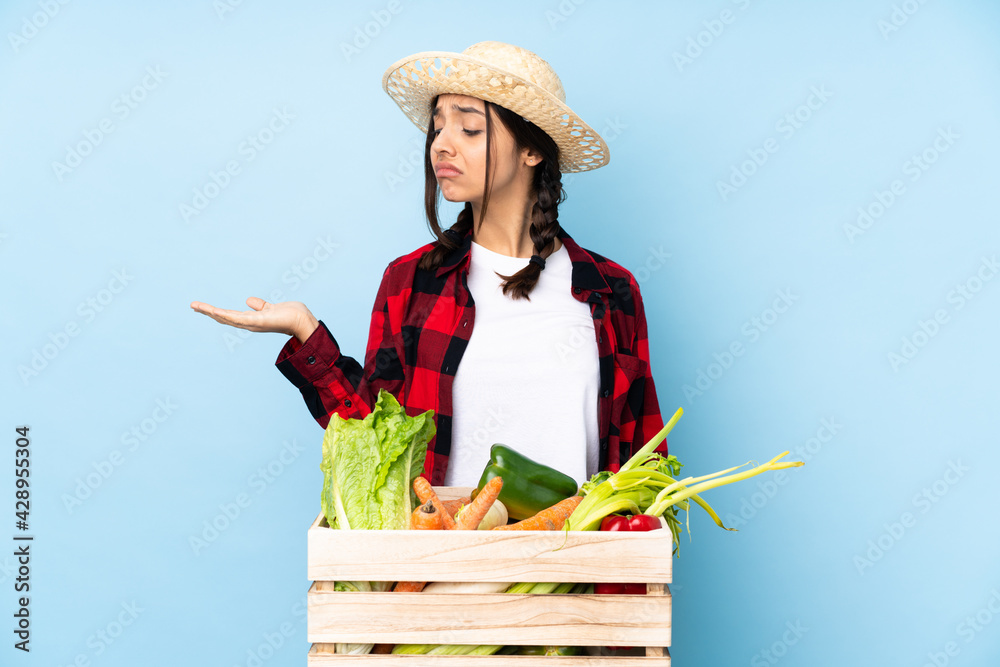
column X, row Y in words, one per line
column 446, row 243
column 544, row 228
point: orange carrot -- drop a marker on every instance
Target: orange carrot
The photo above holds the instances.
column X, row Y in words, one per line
column 426, row 493
column 382, row 648
column 550, row 518
column 409, row 586
column 453, row 505
column 426, row 517
column 474, row 512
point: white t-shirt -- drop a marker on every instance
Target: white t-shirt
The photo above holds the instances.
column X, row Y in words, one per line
column 530, row 374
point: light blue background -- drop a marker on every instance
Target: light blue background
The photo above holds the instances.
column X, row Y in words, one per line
column 675, row 130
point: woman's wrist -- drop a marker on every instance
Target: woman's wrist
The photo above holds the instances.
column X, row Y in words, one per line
column 307, row 329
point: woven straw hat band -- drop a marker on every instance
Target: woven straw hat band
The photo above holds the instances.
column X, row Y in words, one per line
column 506, row 75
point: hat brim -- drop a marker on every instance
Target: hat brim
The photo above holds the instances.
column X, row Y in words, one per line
column 414, row 81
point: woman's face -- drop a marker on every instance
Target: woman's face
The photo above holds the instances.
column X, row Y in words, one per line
column 460, row 141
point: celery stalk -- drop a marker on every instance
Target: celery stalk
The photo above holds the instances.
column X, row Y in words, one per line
column 490, row 649
column 642, row 486
column 647, row 449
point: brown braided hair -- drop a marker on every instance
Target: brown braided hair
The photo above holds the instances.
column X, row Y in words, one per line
column 546, row 187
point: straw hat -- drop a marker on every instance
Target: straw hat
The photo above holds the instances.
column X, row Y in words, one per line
column 504, row 74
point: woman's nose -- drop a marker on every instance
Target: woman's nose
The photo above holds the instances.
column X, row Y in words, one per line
column 442, row 143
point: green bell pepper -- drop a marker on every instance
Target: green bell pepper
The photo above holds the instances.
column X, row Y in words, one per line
column 528, row 486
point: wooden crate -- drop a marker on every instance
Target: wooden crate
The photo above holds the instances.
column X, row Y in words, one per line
column 508, row 619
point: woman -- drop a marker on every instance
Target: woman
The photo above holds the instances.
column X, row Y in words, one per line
column 558, row 367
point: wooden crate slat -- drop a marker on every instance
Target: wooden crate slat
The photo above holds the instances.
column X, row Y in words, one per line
column 321, row 655
column 456, row 618
column 483, row 555
column 452, row 492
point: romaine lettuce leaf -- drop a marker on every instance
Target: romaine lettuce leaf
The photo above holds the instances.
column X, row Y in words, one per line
column 369, row 466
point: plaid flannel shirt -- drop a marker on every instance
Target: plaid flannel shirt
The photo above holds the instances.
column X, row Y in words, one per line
column 420, row 326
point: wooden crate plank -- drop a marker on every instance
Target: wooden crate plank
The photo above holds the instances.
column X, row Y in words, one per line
column 453, row 492
column 455, row 618
column 321, row 655
column 484, row 555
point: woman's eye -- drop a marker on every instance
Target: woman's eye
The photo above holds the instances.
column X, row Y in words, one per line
column 470, row 133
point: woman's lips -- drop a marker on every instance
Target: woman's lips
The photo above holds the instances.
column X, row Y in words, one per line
column 446, row 172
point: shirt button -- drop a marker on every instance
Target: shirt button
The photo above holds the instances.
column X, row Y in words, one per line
column 577, row 290
column 605, row 393
column 347, row 402
column 604, row 443
column 311, row 360
column 465, row 324
column 600, row 339
column 446, row 368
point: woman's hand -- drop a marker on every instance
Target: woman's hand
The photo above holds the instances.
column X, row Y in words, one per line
column 288, row 317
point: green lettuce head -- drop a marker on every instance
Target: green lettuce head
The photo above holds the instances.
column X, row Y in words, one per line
column 369, row 466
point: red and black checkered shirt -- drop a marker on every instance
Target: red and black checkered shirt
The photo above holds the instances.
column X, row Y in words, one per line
column 420, row 326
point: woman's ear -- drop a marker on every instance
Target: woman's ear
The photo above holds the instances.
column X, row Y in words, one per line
column 530, row 157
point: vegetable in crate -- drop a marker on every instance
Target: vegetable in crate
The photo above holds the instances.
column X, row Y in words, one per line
column 369, row 466
column 635, row 523
column 470, row 516
column 550, row 650
column 645, row 484
column 542, row 588
column 368, row 470
column 550, row 518
column 528, row 486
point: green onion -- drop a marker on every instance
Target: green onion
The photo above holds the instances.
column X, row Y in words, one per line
column 646, row 484
column 490, row 649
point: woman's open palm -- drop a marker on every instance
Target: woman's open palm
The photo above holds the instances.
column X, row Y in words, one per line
column 287, row 317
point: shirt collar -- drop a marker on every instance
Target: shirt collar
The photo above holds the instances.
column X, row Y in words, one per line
column 586, row 274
